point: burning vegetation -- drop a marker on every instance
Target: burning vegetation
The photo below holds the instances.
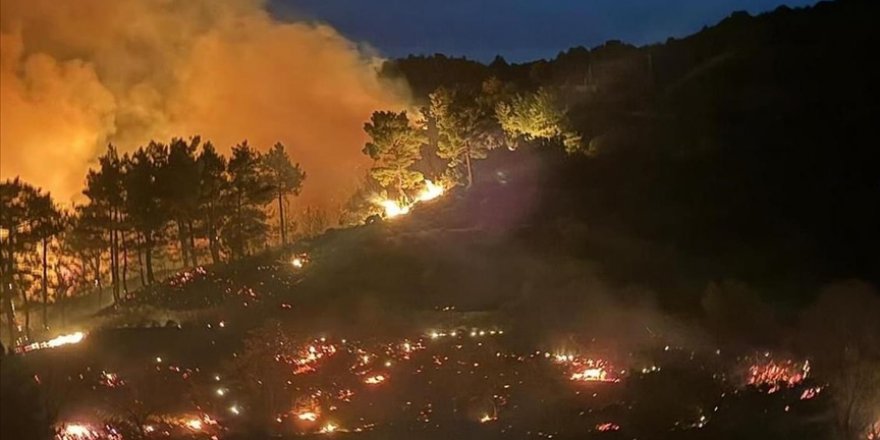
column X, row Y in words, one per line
column 476, row 285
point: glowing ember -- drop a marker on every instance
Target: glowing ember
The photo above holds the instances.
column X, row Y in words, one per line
column 608, row 426
column 79, row 431
column 586, row 370
column 774, row 375
column 300, row 260
column 810, row 393
column 393, row 208
column 308, row 416
column 194, row 424
column 73, row 338
column 110, row 380
column 874, row 431
column 308, row 357
column 430, row 192
column 374, row 380
column 488, row 418
column 329, row 428
column 591, row 374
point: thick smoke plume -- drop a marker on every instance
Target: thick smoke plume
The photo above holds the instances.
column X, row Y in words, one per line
column 77, row 75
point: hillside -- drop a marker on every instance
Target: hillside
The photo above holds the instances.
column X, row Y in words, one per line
column 746, row 148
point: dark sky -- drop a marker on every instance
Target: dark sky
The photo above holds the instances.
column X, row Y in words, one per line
column 517, row 29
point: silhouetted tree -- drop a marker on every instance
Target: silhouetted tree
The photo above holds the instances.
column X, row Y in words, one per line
column 179, row 179
column 144, row 199
column 17, row 202
column 105, row 190
column 212, row 184
column 86, row 241
column 285, row 177
column 249, row 191
column 47, row 221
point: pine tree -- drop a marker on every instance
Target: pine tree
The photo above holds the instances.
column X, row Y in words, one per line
column 144, row 204
column 249, row 191
column 538, row 116
column 285, row 177
column 394, row 146
column 104, row 188
column 212, row 184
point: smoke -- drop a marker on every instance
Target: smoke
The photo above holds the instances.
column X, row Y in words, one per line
column 77, row 75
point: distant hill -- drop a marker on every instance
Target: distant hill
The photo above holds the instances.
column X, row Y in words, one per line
column 748, row 148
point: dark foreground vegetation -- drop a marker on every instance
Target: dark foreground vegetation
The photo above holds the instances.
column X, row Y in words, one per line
column 676, row 241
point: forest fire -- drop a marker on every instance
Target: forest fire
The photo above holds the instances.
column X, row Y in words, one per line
column 83, row 431
column 229, row 220
column 73, row 338
column 771, row 375
column 430, row 192
column 587, row 370
column 396, row 208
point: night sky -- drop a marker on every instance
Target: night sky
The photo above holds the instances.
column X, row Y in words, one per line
column 519, row 30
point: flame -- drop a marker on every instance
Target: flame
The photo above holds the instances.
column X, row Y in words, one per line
column 591, row 374
column 773, row 375
column 608, row 426
column 810, row 393
column 586, row 370
column 329, row 428
column 309, row 416
column 430, row 192
column 194, row 424
column 375, row 380
column 77, row 431
column 393, row 208
column 73, row 338
column 488, row 418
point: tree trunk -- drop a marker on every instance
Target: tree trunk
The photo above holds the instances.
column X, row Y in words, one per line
column 400, row 192
column 44, row 284
column 137, row 238
column 10, row 316
column 124, row 265
column 212, row 237
column 470, row 170
column 192, row 243
column 239, row 242
column 114, row 255
column 181, row 237
column 98, row 281
column 7, row 270
column 149, row 257
column 281, row 216
column 27, row 314
column 61, row 301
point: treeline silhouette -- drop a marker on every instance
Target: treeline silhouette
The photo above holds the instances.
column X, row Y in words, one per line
column 184, row 194
column 747, row 147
